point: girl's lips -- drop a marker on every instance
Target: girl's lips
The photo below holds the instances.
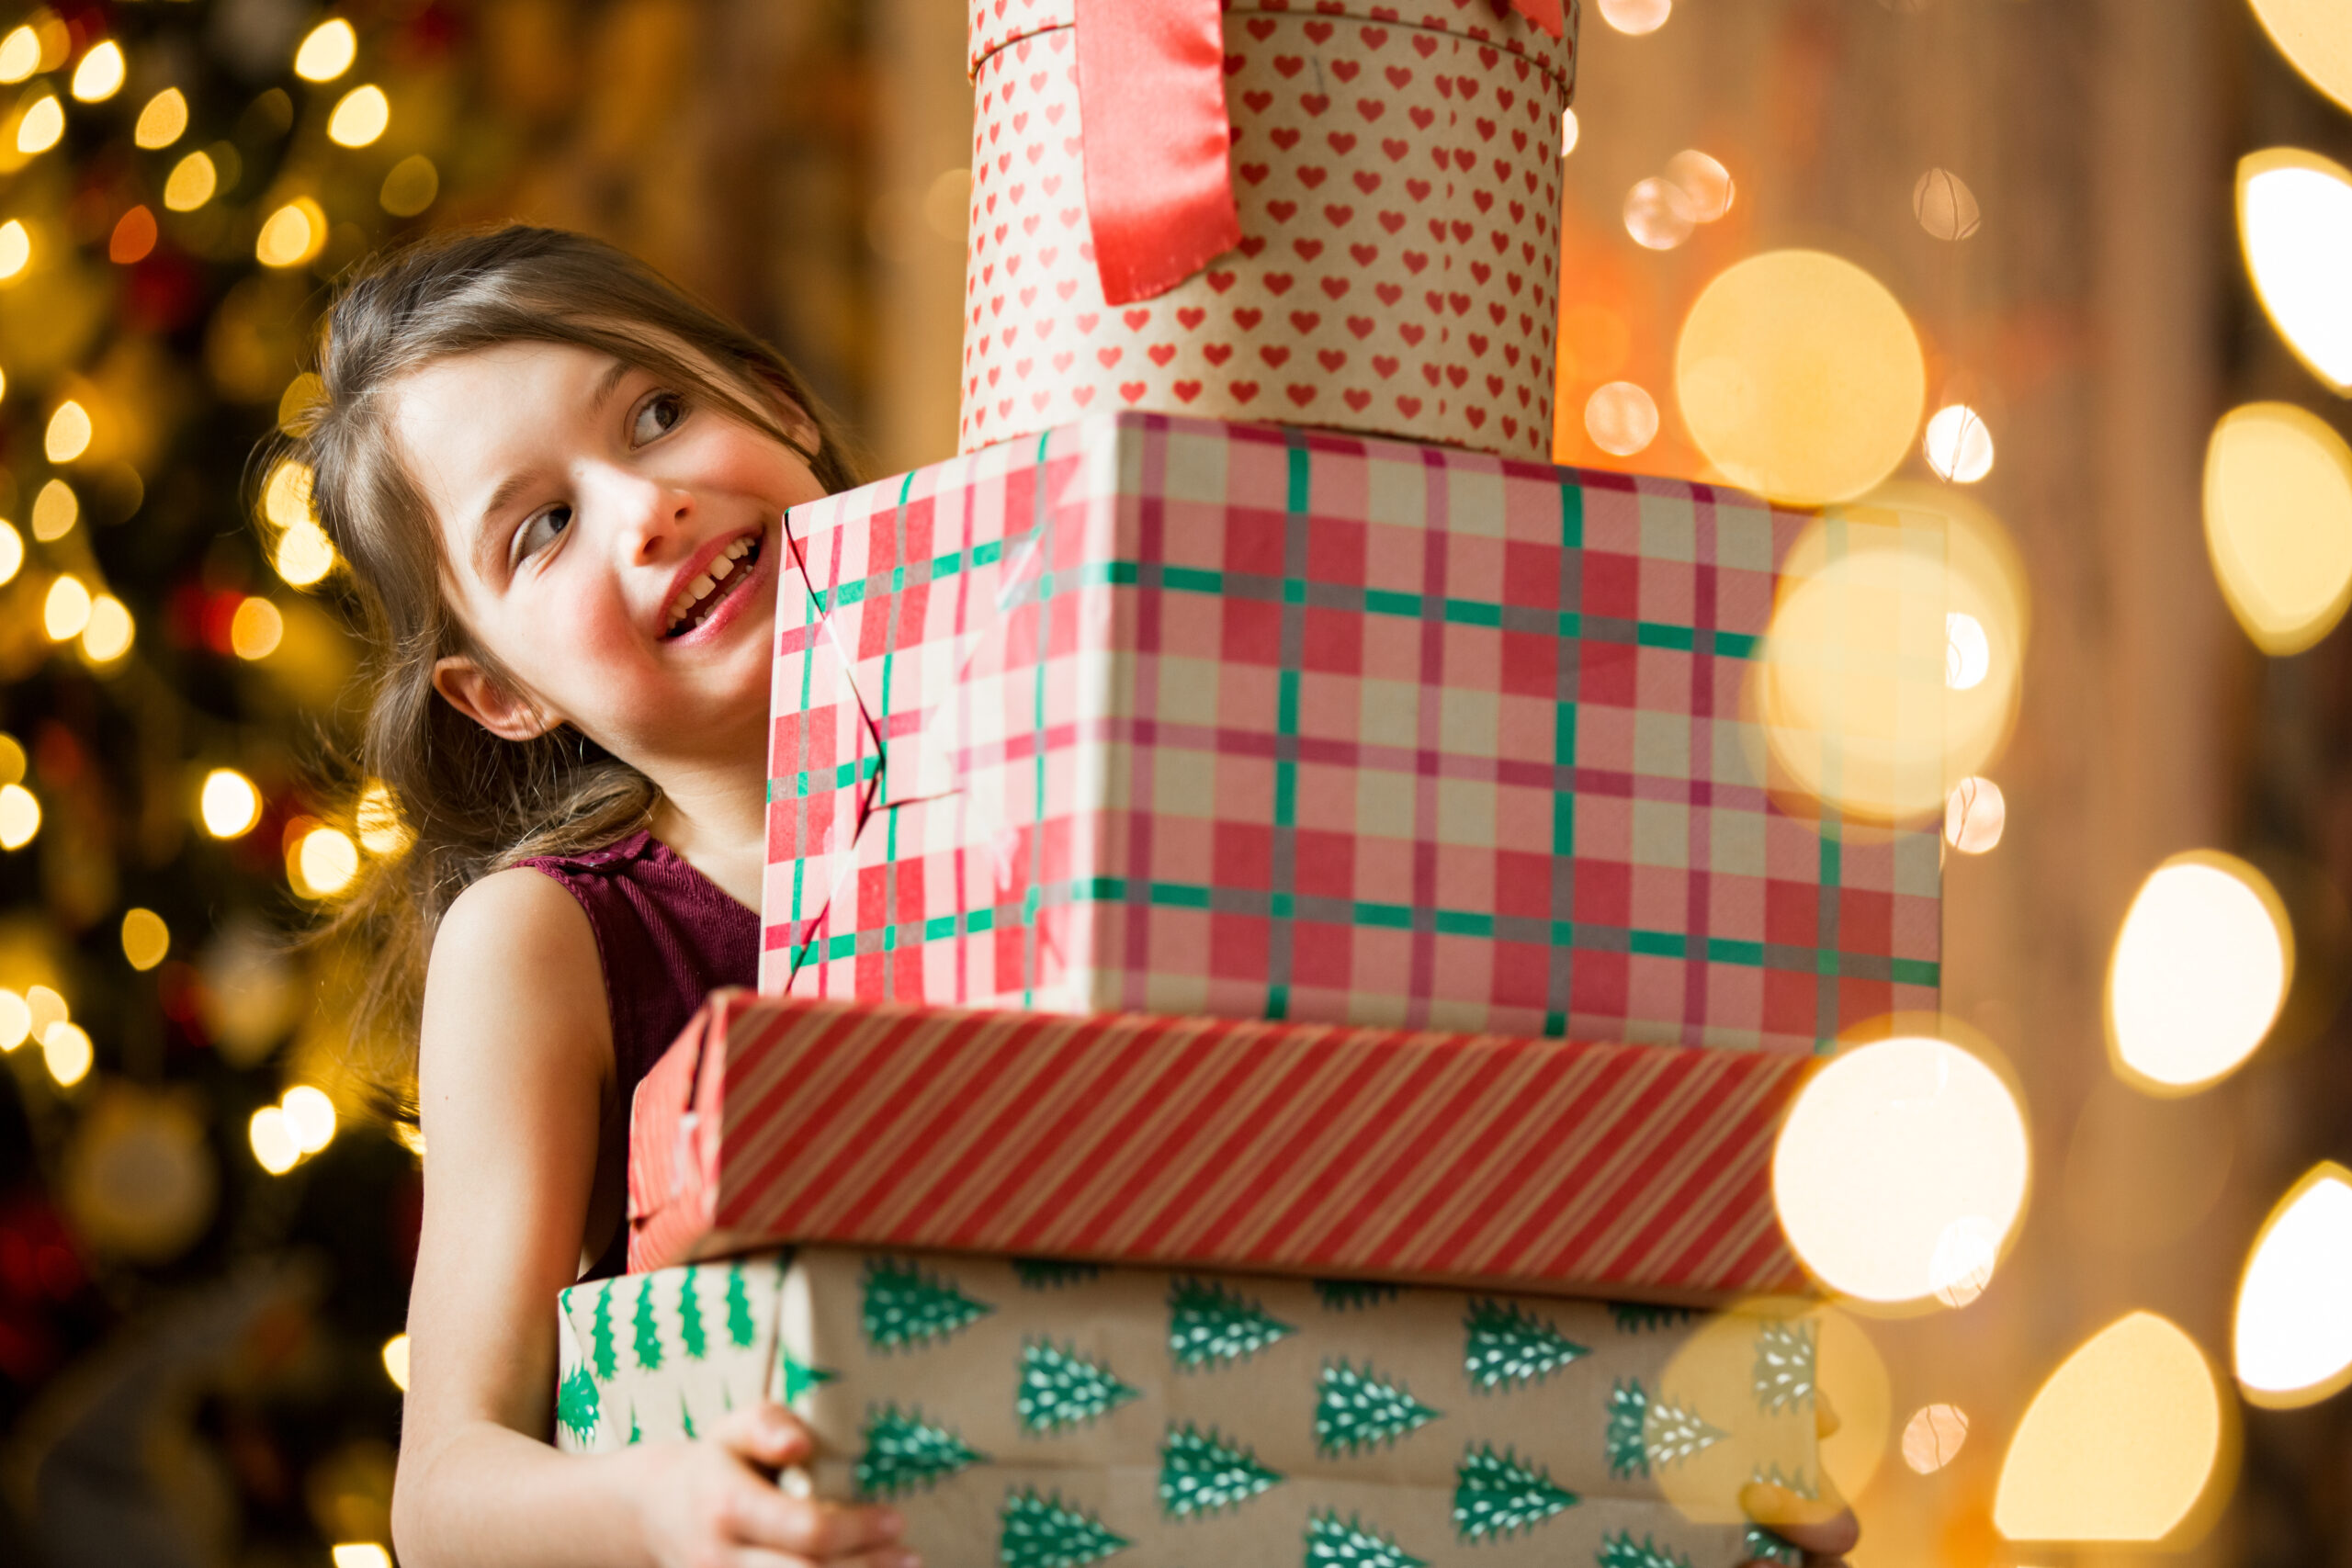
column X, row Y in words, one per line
column 744, row 588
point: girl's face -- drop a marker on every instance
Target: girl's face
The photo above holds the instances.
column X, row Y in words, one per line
column 611, row 542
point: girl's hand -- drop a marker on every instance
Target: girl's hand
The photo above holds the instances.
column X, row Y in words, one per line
column 715, row 1504
column 1822, row 1527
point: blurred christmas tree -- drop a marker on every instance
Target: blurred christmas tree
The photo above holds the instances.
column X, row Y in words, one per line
column 205, row 1229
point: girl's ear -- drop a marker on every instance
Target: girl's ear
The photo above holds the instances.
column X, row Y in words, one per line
column 469, row 688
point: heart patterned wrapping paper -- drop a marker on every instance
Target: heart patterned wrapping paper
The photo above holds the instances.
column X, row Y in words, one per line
column 1034, row 1415
column 1394, row 179
column 1156, row 715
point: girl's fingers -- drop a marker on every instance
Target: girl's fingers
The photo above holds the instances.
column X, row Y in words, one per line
column 880, row 1557
column 1824, row 1419
column 767, row 1435
column 1819, row 1527
column 799, row 1527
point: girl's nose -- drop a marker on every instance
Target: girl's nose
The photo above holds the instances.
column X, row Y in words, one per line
column 654, row 515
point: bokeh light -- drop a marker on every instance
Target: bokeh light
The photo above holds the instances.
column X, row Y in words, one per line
column 381, row 831
column 1621, row 417
column 107, row 635
column 2295, row 224
column 2278, row 522
column 16, row 1020
column 326, row 52
column 12, row 552
column 410, row 187
column 19, row 54
column 229, row 804
column 19, row 816
column 66, row 610
column 291, row 235
column 1569, row 130
column 68, row 435
column 1932, row 1437
column 300, row 402
column 323, row 863
column 359, row 117
column 310, row 1117
column 44, row 1007
column 15, row 248
column 1800, row 377
column 396, row 1360
column 134, row 237
column 1958, row 447
column 1658, row 214
column 1974, row 814
column 2200, row 971
column 2316, row 37
column 256, row 630
column 273, row 1143
column 304, row 554
column 1636, row 16
column 100, row 77
column 360, row 1554
column 65, row 1051
column 1885, row 1150
column 1703, row 181
column 191, row 183
column 2292, row 1340
column 146, row 940
column 41, row 126
column 285, row 495
column 55, row 510
column 162, row 121
column 1968, row 653
column 2118, row 1444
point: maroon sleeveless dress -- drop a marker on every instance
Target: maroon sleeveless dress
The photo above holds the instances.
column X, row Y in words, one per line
column 667, row 936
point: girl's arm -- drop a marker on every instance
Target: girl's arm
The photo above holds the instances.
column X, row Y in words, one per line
column 514, row 1073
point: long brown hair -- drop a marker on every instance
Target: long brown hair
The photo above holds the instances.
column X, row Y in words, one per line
column 469, row 803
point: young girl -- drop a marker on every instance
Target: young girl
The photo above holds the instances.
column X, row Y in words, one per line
column 559, row 487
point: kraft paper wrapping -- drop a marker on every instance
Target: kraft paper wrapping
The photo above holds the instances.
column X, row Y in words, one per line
column 1170, row 715
column 1035, row 1415
column 1396, row 172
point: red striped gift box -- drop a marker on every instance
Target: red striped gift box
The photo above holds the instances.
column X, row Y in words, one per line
column 1317, row 1149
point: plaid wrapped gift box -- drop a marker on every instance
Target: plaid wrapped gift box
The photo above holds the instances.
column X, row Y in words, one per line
column 1035, row 1415
column 1540, row 1165
column 1170, row 716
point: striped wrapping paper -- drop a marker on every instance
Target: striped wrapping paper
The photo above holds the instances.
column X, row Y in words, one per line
column 1247, row 1145
column 1155, row 715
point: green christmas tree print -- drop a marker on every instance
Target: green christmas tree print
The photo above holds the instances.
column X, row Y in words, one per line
column 635, row 1432
column 1343, row 1295
column 1040, row 1533
column 648, row 1342
column 1498, row 1494
column 685, row 1418
column 1508, row 1347
column 1772, row 1476
column 907, row 1305
column 604, row 1356
column 1355, row 1410
column 1061, row 1388
column 1333, row 1544
column 1784, row 1369
column 1207, row 1323
column 1761, row 1545
column 903, row 1451
column 1634, row 1317
column 690, row 1329
column 576, row 1404
column 799, row 1376
column 1672, row 1433
column 1620, row 1551
column 1200, row 1472
column 1628, row 1406
column 740, row 1329
column 1052, row 1273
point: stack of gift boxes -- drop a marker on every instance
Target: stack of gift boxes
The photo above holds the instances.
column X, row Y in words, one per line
column 1275, row 937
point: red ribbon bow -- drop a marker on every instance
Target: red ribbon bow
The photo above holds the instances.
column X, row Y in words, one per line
column 1151, row 103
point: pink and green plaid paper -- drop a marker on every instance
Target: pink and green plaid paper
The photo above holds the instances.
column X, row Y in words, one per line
column 1170, row 716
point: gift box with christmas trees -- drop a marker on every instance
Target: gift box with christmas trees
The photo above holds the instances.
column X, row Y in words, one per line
column 1033, row 1415
column 1171, row 716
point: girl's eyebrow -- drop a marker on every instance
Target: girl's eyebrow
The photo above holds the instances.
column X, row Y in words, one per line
column 485, row 536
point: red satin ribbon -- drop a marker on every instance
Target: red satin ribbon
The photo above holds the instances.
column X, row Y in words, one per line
column 1151, row 108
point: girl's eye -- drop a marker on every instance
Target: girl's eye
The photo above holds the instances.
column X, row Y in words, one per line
column 657, row 416
column 541, row 530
